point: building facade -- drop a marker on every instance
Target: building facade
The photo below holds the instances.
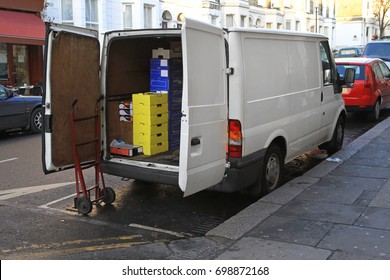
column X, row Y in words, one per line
column 104, row 15
column 22, row 36
column 356, row 24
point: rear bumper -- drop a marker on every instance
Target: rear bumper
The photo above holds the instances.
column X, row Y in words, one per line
column 242, row 173
column 360, row 108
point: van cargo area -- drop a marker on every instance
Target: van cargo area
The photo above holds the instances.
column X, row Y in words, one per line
column 144, row 77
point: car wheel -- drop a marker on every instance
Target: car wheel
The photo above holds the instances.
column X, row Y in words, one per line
column 36, row 120
column 336, row 143
column 272, row 171
column 374, row 114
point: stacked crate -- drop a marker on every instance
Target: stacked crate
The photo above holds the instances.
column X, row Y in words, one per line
column 166, row 75
column 150, row 126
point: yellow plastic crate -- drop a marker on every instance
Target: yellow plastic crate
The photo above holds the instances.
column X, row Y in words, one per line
column 139, row 108
column 149, row 129
column 149, row 98
column 149, row 139
column 149, row 120
column 154, row 148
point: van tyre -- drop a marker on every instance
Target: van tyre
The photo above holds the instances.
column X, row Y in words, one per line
column 336, row 143
column 272, row 171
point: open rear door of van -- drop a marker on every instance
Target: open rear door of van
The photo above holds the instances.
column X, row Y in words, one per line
column 71, row 71
column 204, row 107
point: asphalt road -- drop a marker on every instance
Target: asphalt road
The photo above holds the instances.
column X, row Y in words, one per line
column 39, row 221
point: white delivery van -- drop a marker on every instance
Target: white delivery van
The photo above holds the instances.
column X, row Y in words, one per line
column 247, row 101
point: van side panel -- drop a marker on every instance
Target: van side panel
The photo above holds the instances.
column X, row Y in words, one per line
column 280, row 90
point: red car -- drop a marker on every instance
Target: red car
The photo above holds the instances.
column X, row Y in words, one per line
column 371, row 91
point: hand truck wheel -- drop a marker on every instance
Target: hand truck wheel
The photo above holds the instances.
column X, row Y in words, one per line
column 108, row 195
column 83, row 205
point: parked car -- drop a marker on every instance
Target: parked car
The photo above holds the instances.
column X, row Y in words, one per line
column 351, row 52
column 19, row 112
column 378, row 49
column 371, row 91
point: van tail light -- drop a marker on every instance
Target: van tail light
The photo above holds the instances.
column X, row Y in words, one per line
column 367, row 80
column 235, row 139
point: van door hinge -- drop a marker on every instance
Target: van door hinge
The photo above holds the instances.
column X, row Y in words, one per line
column 229, row 71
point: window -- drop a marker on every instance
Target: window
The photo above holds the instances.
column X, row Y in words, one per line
column 326, row 64
column 288, row 25
column 67, row 11
column 3, row 63
column 243, row 21
column 127, row 16
column 21, row 65
column 229, row 20
column 91, row 14
column 269, row 25
column 297, row 26
column 385, row 70
column 148, row 16
column 180, row 20
column 166, row 18
column 377, row 72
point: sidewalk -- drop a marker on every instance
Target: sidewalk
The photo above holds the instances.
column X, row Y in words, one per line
column 339, row 210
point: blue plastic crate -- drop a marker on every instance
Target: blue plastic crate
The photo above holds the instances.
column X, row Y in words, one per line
column 159, row 64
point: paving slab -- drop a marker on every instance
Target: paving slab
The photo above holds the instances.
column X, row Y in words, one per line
column 321, row 211
column 250, row 248
column 373, row 217
column 196, row 248
column 383, row 198
column 358, row 241
column 291, row 230
column 351, row 170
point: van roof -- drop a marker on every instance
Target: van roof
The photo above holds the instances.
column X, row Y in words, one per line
column 276, row 31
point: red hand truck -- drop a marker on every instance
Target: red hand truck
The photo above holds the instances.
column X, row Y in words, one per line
column 83, row 200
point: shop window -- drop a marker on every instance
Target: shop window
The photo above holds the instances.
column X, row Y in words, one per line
column 21, row 65
column 3, row 63
column 91, row 14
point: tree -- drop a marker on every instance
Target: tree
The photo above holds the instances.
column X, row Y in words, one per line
column 380, row 9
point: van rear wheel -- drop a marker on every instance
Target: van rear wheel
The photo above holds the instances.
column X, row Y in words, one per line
column 272, row 170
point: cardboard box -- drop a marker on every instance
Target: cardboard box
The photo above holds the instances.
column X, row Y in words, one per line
column 161, row 53
column 150, row 129
column 149, row 98
column 151, row 110
column 127, row 150
column 142, row 139
column 148, row 120
column 154, row 148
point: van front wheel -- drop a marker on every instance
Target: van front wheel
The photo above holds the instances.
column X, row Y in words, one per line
column 272, row 169
column 336, row 143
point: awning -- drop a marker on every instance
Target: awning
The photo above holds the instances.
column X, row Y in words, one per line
column 21, row 28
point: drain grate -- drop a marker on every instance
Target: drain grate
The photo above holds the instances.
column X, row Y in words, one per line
column 206, row 225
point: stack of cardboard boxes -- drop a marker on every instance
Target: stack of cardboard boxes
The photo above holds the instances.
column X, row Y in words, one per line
column 150, row 126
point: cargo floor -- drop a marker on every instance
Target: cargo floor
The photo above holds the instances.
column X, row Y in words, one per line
column 170, row 158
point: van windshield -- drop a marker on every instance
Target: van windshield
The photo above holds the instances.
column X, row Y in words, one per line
column 359, row 71
column 380, row 50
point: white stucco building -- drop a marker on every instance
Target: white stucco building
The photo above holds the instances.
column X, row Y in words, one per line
column 104, row 15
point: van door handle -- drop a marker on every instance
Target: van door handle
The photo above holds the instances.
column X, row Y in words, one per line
column 195, row 141
column 322, row 96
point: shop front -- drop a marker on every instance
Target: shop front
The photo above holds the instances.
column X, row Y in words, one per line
column 22, row 36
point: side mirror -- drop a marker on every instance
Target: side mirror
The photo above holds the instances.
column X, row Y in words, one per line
column 349, row 77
